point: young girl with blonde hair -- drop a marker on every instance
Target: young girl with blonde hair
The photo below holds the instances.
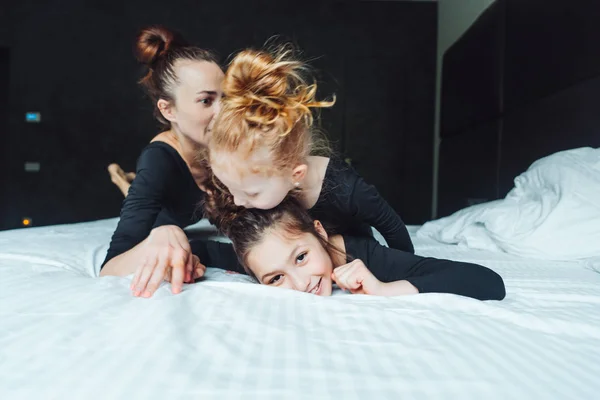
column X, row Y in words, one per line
column 263, row 146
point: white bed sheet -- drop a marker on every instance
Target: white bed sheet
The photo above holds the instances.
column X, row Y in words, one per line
column 67, row 335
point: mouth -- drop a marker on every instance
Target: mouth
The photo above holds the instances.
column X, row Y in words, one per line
column 317, row 288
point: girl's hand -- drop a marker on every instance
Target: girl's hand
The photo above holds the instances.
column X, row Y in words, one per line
column 356, row 278
column 166, row 254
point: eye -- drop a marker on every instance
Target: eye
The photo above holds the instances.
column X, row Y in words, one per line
column 275, row 279
column 301, row 257
column 251, row 195
column 207, row 101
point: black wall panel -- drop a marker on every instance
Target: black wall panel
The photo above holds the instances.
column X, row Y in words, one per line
column 566, row 120
column 472, row 72
column 72, row 61
column 543, row 80
column 550, row 45
column 466, row 176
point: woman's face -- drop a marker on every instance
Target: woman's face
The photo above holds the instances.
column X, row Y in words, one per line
column 197, row 99
column 293, row 261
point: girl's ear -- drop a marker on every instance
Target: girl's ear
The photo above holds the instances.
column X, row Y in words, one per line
column 320, row 230
column 299, row 173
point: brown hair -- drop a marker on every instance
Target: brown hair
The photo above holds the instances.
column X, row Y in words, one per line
column 159, row 49
column 268, row 101
column 246, row 227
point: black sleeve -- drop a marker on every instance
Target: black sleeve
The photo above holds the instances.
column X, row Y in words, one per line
column 367, row 204
column 216, row 254
column 428, row 275
column 154, row 178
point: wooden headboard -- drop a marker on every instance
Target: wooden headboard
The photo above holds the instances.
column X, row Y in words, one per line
column 523, row 82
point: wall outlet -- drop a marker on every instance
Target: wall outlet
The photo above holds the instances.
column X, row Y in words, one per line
column 32, row 166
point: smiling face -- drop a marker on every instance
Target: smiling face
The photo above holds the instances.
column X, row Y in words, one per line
column 297, row 261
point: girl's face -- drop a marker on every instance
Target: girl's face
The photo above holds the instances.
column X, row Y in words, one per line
column 249, row 181
column 292, row 261
column 197, row 99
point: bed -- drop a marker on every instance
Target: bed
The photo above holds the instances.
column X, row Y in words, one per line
column 66, row 334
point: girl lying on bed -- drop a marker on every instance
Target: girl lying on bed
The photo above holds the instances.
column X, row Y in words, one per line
column 285, row 247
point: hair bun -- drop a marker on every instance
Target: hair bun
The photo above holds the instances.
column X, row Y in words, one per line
column 154, row 42
column 269, row 88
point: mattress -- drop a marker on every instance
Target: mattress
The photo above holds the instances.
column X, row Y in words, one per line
column 66, row 334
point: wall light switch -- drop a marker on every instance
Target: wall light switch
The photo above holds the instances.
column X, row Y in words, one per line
column 33, row 117
column 32, row 166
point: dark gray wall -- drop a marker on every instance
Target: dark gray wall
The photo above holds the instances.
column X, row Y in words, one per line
column 72, row 61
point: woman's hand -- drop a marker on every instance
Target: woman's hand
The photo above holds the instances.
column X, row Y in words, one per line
column 166, row 255
column 198, row 270
column 356, row 278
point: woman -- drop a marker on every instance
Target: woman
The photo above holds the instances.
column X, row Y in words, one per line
column 184, row 84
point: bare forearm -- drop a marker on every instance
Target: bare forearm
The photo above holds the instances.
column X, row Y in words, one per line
column 123, row 264
column 398, row 288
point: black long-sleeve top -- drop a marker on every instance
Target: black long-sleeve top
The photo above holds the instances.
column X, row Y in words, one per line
column 349, row 205
column 162, row 193
column 165, row 193
column 428, row 275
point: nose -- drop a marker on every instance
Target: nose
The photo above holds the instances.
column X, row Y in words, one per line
column 301, row 283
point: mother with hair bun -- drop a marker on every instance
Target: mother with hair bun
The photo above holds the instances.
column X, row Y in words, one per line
column 184, row 84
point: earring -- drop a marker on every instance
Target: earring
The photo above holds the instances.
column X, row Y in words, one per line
column 297, row 184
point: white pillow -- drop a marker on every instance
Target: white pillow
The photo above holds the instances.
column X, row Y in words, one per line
column 553, row 212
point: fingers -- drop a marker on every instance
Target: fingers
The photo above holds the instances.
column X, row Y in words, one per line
column 168, row 273
column 343, row 279
column 168, row 257
column 199, row 268
column 158, row 275
column 181, row 264
column 136, row 275
column 177, row 278
column 199, row 271
column 145, row 273
column 189, row 269
column 179, row 259
column 348, row 276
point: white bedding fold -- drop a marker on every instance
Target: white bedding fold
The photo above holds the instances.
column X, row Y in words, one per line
column 553, row 212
